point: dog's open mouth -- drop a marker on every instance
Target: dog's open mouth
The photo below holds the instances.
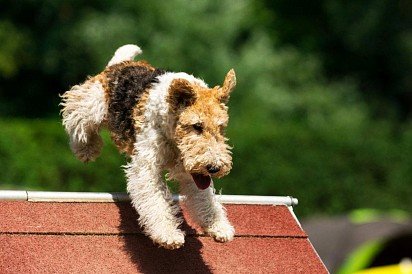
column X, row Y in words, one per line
column 202, row 181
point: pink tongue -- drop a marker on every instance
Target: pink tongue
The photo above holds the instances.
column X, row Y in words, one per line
column 202, row 181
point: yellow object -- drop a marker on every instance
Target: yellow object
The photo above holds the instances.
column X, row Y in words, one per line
column 402, row 268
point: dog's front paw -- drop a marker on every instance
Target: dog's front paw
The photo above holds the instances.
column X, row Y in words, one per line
column 171, row 240
column 221, row 231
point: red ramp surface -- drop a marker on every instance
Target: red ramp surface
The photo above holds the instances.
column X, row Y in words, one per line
column 86, row 237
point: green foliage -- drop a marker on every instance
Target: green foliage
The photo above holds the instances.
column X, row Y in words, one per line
column 304, row 136
column 49, row 45
column 366, row 40
column 36, row 155
column 11, row 47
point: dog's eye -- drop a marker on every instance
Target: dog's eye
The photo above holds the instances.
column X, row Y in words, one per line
column 198, row 127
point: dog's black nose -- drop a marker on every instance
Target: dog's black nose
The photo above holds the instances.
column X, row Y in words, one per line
column 212, row 169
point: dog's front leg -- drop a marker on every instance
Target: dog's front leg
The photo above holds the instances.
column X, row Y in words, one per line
column 206, row 210
column 152, row 199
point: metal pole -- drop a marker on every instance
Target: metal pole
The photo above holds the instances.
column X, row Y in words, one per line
column 52, row 196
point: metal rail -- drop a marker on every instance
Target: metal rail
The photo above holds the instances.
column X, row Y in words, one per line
column 104, row 197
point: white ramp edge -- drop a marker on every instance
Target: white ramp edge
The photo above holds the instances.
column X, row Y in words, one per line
column 105, row 197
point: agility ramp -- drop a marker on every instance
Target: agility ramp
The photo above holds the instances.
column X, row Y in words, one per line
column 66, row 232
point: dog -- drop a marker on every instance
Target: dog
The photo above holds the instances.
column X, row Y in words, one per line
column 164, row 121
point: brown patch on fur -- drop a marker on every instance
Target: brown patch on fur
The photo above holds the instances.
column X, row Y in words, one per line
column 228, row 86
column 101, row 77
column 127, row 86
column 139, row 110
column 181, row 95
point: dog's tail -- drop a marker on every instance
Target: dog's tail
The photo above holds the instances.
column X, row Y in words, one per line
column 124, row 53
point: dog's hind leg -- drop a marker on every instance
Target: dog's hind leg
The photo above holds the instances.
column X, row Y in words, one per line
column 84, row 111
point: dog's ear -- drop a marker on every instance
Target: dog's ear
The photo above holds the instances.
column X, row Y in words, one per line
column 228, row 86
column 181, row 94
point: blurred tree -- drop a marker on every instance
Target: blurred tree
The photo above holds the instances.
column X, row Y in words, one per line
column 370, row 41
column 46, row 58
column 53, row 44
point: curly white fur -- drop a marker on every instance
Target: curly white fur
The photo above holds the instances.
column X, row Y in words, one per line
column 84, row 109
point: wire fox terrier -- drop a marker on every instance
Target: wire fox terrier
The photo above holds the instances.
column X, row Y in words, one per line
column 163, row 121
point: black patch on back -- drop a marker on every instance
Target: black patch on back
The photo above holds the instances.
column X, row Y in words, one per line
column 126, row 85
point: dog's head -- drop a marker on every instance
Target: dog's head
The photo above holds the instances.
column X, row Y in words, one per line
column 201, row 118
